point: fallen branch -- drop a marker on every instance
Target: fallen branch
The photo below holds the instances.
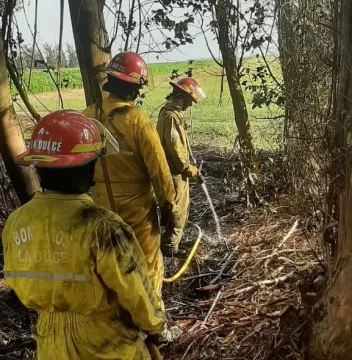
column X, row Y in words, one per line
column 288, row 235
column 229, row 257
column 264, row 282
column 212, row 307
column 276, row 280
column 209, row 288
column 198, row 276
column 187, row 350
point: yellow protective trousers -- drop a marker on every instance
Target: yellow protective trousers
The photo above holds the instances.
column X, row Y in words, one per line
column 174, row 139
column 173, row 234
column 70, row 336
column 135, row 203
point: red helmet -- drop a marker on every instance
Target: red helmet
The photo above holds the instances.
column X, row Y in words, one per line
column 191, row 87
column 128, row 66
column 64, row 138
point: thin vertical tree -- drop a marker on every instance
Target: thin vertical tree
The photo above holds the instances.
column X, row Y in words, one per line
column 92, row 46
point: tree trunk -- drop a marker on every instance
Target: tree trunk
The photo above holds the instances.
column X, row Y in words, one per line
column 287, row 46
column 230, row 64
column 332, row 317
column 91, row 41
column 305, row 44
column 238, row 101
column 12, row 144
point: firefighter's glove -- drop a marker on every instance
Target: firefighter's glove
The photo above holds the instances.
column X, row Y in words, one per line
column 168, row 335
column 168, row 216
column 191, row 171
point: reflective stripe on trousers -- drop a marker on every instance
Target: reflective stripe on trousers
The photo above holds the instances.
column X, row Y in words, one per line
column 45, row 275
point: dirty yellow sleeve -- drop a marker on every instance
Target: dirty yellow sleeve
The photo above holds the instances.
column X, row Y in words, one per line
column 155, row 161
column 122, row 267
column 174, row 139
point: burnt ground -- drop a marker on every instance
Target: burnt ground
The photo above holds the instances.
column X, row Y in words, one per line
column 247, row 296
column 15, row 324
column 15, row 319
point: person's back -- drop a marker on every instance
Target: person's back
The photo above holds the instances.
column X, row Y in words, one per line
column 60, row 253
column 173, row 135
column 78, row 265
column 138, row 167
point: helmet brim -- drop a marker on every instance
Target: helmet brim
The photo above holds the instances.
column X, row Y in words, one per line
column 31, row 159
column 123, row 77
column 176, row 86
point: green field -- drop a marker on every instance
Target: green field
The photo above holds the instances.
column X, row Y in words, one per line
column 213, row 123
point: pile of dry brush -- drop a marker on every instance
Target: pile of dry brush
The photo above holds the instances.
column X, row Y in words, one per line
column 247, row 296
column 250, row 299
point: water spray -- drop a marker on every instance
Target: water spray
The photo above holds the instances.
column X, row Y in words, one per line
column 210, row 202
column 196, row 244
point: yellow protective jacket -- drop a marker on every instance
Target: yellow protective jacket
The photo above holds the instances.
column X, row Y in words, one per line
column 141, row 161
column 81, row 268
column 174, row 139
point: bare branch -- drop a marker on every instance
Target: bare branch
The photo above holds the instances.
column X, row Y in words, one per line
column 59, row 58
column 207, row 43
column 14, row 77
column 117, row 22
column 249, row 26
column 130, row 22
column 140, row 25
column 34, row 41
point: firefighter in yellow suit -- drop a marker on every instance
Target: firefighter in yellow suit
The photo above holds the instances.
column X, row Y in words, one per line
column 174, row 139
column 140, row 171
column 77, row 264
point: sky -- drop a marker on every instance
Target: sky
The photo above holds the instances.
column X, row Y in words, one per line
column 49, row 20
column 48, row 31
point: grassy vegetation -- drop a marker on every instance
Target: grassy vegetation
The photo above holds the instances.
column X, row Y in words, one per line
column 213, row 123
column 42, row 81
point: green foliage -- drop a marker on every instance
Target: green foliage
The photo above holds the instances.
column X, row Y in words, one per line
column 164, row 17
column 213, row 124
column 41, row 81
column 263, row 92
column 180, row 67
